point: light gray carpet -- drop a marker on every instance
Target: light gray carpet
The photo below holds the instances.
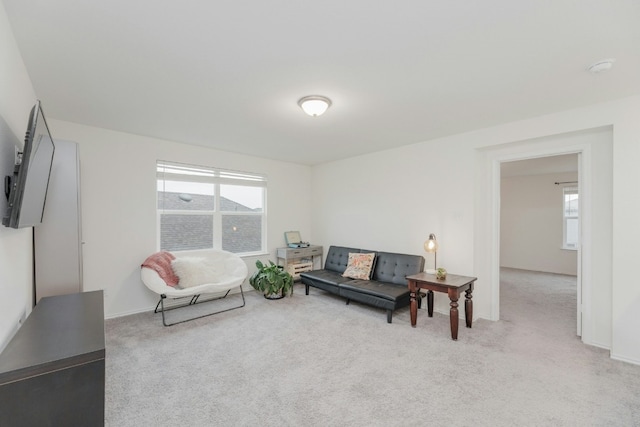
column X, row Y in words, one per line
column 314, row 361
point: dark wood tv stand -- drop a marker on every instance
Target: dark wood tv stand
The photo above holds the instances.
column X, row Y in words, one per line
column 52, row 371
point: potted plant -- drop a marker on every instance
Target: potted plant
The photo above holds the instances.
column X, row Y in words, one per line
column 272, row 280
column 441, row 274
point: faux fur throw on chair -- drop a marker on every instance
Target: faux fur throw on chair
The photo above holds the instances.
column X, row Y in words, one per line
column 195, row 271
column 160, row 262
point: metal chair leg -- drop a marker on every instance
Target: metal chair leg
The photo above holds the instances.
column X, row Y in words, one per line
column 193, row 301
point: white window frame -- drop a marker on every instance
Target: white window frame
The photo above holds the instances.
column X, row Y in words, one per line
column 217, row 177
column 566, row 191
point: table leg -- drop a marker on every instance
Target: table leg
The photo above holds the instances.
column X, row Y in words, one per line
column 430, row 303
column 453, row 313
column 413, row 305
column 468, row 306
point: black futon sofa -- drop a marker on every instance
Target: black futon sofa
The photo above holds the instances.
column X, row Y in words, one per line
column 387, row 288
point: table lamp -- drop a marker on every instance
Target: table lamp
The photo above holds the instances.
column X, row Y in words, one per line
column 431, row 246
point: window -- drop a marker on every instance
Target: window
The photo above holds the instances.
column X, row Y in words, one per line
column 203, row 208
column 571, row 236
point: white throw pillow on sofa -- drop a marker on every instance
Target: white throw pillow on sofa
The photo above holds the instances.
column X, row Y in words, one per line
column 194, row 271
column 359, row 266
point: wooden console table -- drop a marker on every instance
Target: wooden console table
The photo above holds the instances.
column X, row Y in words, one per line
column 453, row 285
column 52, row 371
column 288, row 255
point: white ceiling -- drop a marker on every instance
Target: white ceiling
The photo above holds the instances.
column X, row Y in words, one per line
column 228, row 74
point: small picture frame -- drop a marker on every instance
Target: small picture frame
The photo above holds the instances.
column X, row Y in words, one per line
column 292, row 237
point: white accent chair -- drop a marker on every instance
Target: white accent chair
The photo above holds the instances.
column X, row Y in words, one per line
column 231, row 272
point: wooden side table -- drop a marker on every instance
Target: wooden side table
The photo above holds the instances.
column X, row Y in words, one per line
column 453, row 285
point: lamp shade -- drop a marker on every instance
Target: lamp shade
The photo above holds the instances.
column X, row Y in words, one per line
column 314, row 105
column 431, row 245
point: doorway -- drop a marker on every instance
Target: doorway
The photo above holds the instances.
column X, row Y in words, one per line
column 539, row 236
column 595, row 170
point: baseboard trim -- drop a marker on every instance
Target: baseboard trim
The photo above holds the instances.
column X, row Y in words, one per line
column 625, row 359
column 599, row 345
column 128, row 313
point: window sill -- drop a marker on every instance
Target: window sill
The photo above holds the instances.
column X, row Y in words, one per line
column 254, row 255
column 247, row 255
column 564, row 248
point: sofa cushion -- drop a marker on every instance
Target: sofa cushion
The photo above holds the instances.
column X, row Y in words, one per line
column 324, row 279
column 338, row 258
column 359, row 266
column 324, row 276
column 393, row 268
column 373, row 288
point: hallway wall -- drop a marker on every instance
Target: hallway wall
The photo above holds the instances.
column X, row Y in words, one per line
column 531, row 224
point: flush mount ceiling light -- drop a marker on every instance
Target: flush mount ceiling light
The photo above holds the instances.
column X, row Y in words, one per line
column 601, row 66
column 314, row 105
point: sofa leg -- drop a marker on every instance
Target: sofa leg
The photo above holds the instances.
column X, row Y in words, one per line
column 306, row 289
column 389, row 314
column 348, row 301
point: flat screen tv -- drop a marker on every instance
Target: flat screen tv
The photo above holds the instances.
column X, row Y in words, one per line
column 26, row 189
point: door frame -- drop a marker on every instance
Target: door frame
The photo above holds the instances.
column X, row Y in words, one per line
column 584, row 279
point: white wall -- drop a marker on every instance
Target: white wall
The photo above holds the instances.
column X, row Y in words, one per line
column 626, row 235
column 531, row 224
column 392, row 200
column 16, row 99
column 118, row 191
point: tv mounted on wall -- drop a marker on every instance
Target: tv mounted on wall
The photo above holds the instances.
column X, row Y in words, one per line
column 26, row 189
